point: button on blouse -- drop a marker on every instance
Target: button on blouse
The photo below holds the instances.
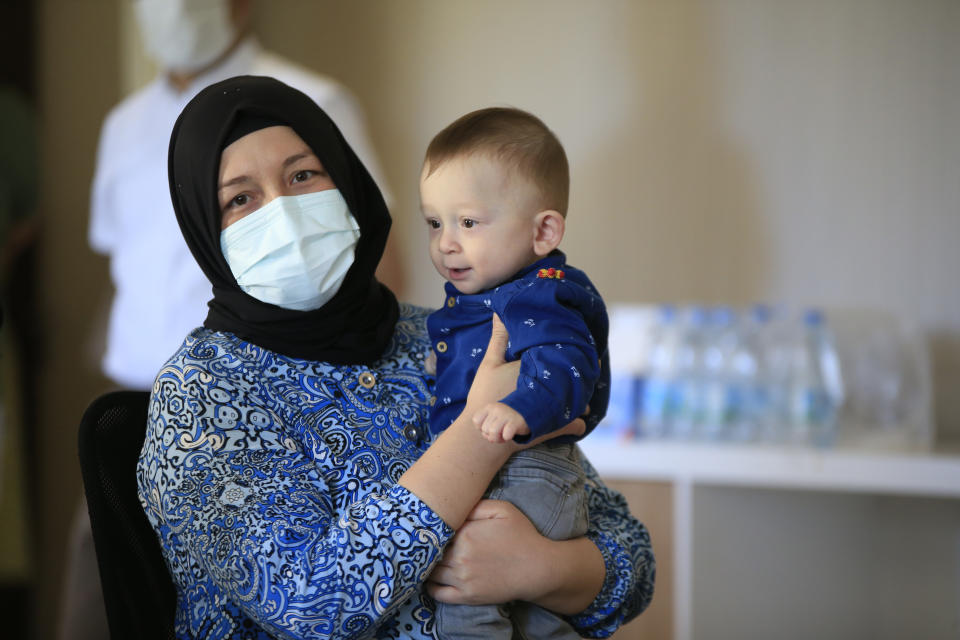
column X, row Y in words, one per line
column 411, row 433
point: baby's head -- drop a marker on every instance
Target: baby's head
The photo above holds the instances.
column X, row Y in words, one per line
column 493, row 191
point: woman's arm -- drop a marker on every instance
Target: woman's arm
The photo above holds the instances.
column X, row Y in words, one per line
column 630, row 567
column 478, row 567
column 452, row 475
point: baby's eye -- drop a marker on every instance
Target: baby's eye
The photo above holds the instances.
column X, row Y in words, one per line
column 433, row 224
column 468, row 223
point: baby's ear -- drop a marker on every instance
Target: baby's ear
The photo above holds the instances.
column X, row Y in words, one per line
column 547, row 231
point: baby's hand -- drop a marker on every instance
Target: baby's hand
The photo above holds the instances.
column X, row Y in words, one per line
column 500, row 423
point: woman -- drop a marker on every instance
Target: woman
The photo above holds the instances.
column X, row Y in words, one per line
column 286, row 468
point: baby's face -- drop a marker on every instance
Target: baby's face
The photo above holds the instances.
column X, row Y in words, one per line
column 481, row 222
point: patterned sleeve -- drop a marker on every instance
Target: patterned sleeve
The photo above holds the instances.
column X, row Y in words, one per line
column 256, row 513
column 559, row 365
column 628, row 558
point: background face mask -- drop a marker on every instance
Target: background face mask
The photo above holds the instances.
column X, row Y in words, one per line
column 185, row 35
column 295, row 251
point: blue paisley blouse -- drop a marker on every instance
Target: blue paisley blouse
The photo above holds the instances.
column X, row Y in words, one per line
column 271, row 483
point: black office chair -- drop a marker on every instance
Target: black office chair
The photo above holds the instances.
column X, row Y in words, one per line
column 138, row 593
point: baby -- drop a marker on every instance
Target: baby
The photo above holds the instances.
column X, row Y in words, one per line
column 493, row 192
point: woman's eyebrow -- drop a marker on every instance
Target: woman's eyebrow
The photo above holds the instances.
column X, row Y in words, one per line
column 296, row 157
column 233, row 181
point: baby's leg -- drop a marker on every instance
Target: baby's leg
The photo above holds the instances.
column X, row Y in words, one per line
column 469, row 622
column 546, row 483
column 536, row 623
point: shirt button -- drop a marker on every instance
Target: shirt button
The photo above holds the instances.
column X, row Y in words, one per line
column 451, row 301
column 367, row 380
column 411, row 433
column 441, row 347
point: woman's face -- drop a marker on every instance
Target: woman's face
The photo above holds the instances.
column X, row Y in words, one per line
column 263, row 165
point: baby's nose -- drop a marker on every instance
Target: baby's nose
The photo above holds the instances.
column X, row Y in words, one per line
column 448, row 241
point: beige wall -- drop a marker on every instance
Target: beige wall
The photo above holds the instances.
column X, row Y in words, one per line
column 78, row 81
column 744, row 150
column 734, row 150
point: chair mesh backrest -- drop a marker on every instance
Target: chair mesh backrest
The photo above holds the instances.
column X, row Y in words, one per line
column 138, row 593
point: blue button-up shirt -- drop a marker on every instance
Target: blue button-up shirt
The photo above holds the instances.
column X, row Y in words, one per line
column 558, row 328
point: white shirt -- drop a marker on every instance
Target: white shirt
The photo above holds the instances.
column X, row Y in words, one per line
column 160, row 292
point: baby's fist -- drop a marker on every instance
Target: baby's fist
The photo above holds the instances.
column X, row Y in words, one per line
column 500, row 423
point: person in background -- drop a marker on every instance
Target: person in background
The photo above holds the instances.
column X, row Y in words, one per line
column 493, row 192
column 160, row 294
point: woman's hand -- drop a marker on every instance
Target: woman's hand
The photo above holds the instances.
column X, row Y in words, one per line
column 498, row 556
column 492, row 559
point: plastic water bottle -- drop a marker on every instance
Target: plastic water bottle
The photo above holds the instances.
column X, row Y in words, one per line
column 774, row 371
column 749, row 395
column 721, row 397
column 658, row 398
column 823, row 344
column 690, row 370
column 816, row 389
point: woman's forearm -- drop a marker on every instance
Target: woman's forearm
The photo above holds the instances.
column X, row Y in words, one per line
column 574, row 575
column 453, row 473
column 451, row 476
column 625, row 545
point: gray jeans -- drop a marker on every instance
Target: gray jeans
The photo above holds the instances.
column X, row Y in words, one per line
column 546, row 483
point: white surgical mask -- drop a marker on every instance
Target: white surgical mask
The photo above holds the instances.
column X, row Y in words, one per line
column 185, row 35
column 295, row 251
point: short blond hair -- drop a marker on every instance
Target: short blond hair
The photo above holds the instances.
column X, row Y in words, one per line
column 519, row 140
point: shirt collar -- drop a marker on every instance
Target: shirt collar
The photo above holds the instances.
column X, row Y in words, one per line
column 556, row 259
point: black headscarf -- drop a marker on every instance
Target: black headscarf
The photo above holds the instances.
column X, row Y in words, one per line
column 356, row 324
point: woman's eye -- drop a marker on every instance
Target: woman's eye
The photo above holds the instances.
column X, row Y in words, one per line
column 468, row 223
column 239, row 200
column 302, row 176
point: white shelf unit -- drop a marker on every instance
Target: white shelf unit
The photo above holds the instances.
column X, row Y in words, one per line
column 800, row 472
